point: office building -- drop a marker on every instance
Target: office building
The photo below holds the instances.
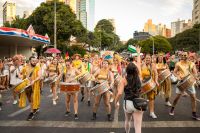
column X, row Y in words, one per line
column 9, row 11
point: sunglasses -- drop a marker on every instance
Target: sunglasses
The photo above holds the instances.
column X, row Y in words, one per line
column 184, row 55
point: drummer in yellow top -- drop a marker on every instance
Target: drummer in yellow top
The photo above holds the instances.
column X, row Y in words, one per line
column 71, row 77
column 165, row 87
column 183, row 68
column 102, row 75
column 34, row 75
column 148, row 70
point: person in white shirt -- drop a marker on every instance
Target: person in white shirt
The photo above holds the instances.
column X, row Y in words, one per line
column 15, row 74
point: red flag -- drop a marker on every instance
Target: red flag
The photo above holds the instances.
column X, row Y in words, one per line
column 66, row 55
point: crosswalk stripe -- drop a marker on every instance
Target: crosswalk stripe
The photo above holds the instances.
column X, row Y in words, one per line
column 19, row 111
column 76, row 124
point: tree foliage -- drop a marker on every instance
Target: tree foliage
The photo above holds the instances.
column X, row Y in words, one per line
column 42, row 20
column 187, row 40
column 106, row 37
column 161, row 44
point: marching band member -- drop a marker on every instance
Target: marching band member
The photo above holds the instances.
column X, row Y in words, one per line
column 87, row 66
column 33, row 74
column 166, row 85
column 183, row 68
column 54, row 73
column 77, row 63
column 15, row 74
column 70, row 76
column 104, row 74
column 148, row 71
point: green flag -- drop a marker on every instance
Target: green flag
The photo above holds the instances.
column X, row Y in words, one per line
column 132, row 49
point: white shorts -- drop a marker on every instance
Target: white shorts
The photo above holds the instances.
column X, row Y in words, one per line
column 190, row 90
column 6, row 72
column 129, row 107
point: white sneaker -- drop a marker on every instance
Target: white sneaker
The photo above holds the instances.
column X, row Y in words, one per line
column 152, row 115
column 168, row 104
column 15, row 102
column 54, row 102
column 50, row 90
column 0, row 108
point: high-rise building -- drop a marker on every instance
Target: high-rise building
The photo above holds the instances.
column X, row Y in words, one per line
column 85, row 12
column 9, row 11
column 91, row 15
column 154, row 29
column 180, row 26
column 196, row 12
column 150, row 27
column 168, row 33
column 113, row 24
column 73, row 5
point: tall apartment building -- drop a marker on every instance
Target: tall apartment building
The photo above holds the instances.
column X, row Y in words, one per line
column 180, row 26
column 196, row 12
column 150, row 27
column 9, row 11
column 84, row 10
column 154, row 29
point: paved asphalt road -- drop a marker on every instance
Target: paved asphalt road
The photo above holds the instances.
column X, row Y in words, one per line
column 51, row 118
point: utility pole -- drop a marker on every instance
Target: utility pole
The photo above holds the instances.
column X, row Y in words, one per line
column 55, row 45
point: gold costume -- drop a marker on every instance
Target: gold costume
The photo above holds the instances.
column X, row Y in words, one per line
column 147, row 74
column 165, row 86
column 185, row 69
column 34, row 96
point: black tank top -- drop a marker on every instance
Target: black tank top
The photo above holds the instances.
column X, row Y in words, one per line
column 131, row 93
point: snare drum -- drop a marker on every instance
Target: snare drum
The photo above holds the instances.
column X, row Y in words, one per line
column 21, row 87
column 83, row 79
column 164, row 75
column 101, row 88
column 147, row 86
column 69, row 87
column 186, row 83
column 117, row 80
column 50, row 80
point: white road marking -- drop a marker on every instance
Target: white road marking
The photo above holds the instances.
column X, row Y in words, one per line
column 19, row 111
column 75, row 124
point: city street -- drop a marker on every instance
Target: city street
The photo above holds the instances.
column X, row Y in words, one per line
column 51, row 118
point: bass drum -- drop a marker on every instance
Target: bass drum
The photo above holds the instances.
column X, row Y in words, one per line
column 148, row 86
column 69, row 87
column 186, row 83
column 164, row 75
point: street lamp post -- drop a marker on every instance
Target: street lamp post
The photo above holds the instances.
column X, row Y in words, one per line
column 55, row 45
column 153, row 44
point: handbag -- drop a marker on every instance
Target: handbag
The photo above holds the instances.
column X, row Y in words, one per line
column 140, row 104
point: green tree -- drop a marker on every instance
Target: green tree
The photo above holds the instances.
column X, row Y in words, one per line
column 131, row 42
column 42, row 20
column 106, row 36
column 187, row 40
column 161, row 44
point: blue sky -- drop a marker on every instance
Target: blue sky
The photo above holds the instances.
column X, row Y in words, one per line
column 130, row 15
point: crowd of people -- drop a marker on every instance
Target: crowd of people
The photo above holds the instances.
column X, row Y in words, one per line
column 107, row 77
